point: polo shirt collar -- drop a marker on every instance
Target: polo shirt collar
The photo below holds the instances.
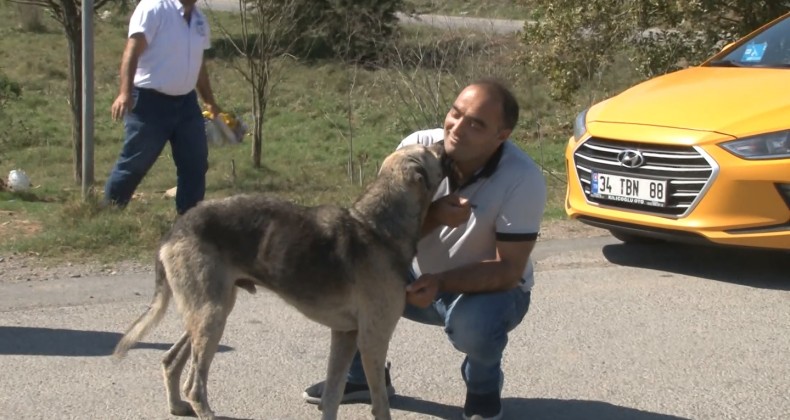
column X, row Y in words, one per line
column 486, row 171
column 180, row 8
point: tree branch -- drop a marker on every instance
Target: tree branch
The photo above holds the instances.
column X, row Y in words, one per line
column 40, row 3
column 99, row 4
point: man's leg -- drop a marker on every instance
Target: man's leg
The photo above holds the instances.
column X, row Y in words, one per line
column 146, row 129
column 477, row 325
column 190, row 154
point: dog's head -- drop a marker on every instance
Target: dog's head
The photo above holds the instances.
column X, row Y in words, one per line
column 420, row 166
column 396, row 203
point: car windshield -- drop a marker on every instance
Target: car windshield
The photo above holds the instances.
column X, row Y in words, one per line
column 770, row 48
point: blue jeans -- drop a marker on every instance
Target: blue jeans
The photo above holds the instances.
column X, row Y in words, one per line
column 154, row 119
column 477, row 325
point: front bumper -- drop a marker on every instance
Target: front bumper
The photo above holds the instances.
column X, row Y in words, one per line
column 718, row 199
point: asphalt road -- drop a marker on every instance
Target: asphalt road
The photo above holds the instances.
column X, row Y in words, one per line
column 500, row 26
column 614, row 332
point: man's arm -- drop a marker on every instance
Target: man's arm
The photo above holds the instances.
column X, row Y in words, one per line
column 135, row 46
column 451, row 210
column 502, row 273
column 505, row 270
column 204, row 90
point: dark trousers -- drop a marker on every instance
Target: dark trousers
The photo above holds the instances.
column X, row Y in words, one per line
column 154, row 120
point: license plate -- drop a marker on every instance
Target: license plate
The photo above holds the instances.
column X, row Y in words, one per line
column 649, row 192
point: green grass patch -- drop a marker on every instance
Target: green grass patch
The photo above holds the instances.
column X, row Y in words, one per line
column 321, row 115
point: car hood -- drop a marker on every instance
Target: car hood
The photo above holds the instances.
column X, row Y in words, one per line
column 733, row 101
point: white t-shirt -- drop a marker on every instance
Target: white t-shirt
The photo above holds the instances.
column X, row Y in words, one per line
column 508, row 196
column 171, row 62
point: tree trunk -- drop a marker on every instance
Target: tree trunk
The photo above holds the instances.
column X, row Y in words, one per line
column 259, row 85
column 259, row 112
column 257, row 128
column 73, row 28
column 75, row 70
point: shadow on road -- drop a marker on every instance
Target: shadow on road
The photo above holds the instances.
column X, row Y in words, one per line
column 35, row 341
column 748, row 267
column 536, row 409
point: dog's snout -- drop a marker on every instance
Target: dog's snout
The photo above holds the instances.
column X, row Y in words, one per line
column 447, row 163
column 444, row 159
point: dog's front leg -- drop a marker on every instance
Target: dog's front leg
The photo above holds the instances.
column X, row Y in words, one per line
column 373, row 346
column 373, row 363
column 341, row 352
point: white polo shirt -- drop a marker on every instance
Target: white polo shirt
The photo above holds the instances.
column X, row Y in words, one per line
column 171, row 62
column 507, row 195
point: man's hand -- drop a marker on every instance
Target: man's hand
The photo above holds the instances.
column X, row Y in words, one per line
column 123, row 104
column 135, row 46
column 452, row 210
column 213, row 109
column 422, row 292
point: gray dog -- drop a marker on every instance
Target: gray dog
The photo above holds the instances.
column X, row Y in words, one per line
column 343, row 268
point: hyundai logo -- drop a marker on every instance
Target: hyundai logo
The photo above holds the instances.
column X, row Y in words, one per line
column 631, row 158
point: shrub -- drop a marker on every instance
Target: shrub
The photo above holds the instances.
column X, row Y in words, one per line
column 573, row 41
column 30, row 18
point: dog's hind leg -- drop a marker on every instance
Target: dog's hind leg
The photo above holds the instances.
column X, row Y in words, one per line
column 191, row 372
column 206, row 334
column 206, row 325
column 172, row 365
column 190, row 378
column 341, row 352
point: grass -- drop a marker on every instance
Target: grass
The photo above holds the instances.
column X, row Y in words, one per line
column 307, row 132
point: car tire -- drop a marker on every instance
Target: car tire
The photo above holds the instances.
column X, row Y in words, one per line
column 631, row 238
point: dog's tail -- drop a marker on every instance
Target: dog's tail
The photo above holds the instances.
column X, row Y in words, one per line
column 151, row 317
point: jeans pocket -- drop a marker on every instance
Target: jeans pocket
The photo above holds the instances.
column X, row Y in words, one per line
column 135, row 101
column 521, row 301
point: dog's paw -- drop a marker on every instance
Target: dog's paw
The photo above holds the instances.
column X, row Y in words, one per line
column 182, row 409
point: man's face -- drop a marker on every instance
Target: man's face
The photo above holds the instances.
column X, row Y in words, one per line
column 473, row 127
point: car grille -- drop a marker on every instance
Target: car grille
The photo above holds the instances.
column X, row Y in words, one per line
column 686, row 171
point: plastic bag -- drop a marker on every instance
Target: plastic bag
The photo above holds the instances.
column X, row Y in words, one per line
column 214, row 136
column 224, row 129
column 18, row 180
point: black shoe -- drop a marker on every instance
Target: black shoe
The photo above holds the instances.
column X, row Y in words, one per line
column 354, row 393
column 483, row 406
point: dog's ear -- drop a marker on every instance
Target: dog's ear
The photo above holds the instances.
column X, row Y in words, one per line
column 418, row 174
column 437, row 149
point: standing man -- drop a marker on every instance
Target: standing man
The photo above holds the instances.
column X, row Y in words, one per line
column 162, row 65
column 473, row 275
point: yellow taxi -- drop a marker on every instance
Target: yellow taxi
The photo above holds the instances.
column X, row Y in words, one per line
column 699, row 155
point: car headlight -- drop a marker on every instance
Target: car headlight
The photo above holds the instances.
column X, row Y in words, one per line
column 764, row 146
column 580, row 125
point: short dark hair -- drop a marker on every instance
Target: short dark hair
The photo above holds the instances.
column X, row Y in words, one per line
column 510, row 107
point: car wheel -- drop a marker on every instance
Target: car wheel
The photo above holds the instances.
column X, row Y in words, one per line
column 631, row 238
